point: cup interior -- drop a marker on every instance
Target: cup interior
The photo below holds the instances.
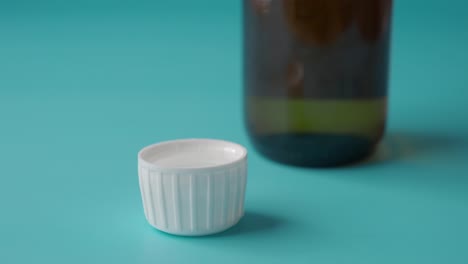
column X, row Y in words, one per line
column 192, row 153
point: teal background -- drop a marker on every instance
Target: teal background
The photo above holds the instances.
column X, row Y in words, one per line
column 85, row 84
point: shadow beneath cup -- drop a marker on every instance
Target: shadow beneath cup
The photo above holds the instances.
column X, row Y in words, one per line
column 253, row 223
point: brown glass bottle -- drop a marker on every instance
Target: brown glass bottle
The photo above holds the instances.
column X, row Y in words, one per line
column 316, row 78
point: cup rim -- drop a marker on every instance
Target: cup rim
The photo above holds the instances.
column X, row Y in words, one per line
column 224, row 165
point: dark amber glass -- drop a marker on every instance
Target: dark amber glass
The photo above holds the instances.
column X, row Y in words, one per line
column 315, row 77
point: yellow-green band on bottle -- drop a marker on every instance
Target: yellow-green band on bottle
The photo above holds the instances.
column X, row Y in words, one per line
column 359, row 117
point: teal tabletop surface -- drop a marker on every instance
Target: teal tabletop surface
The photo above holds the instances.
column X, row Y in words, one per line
column 84, row 85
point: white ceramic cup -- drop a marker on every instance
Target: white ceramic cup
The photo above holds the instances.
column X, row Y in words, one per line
column 193, row 187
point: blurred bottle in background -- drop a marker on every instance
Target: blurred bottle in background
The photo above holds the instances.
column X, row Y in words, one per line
column 315, row 77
